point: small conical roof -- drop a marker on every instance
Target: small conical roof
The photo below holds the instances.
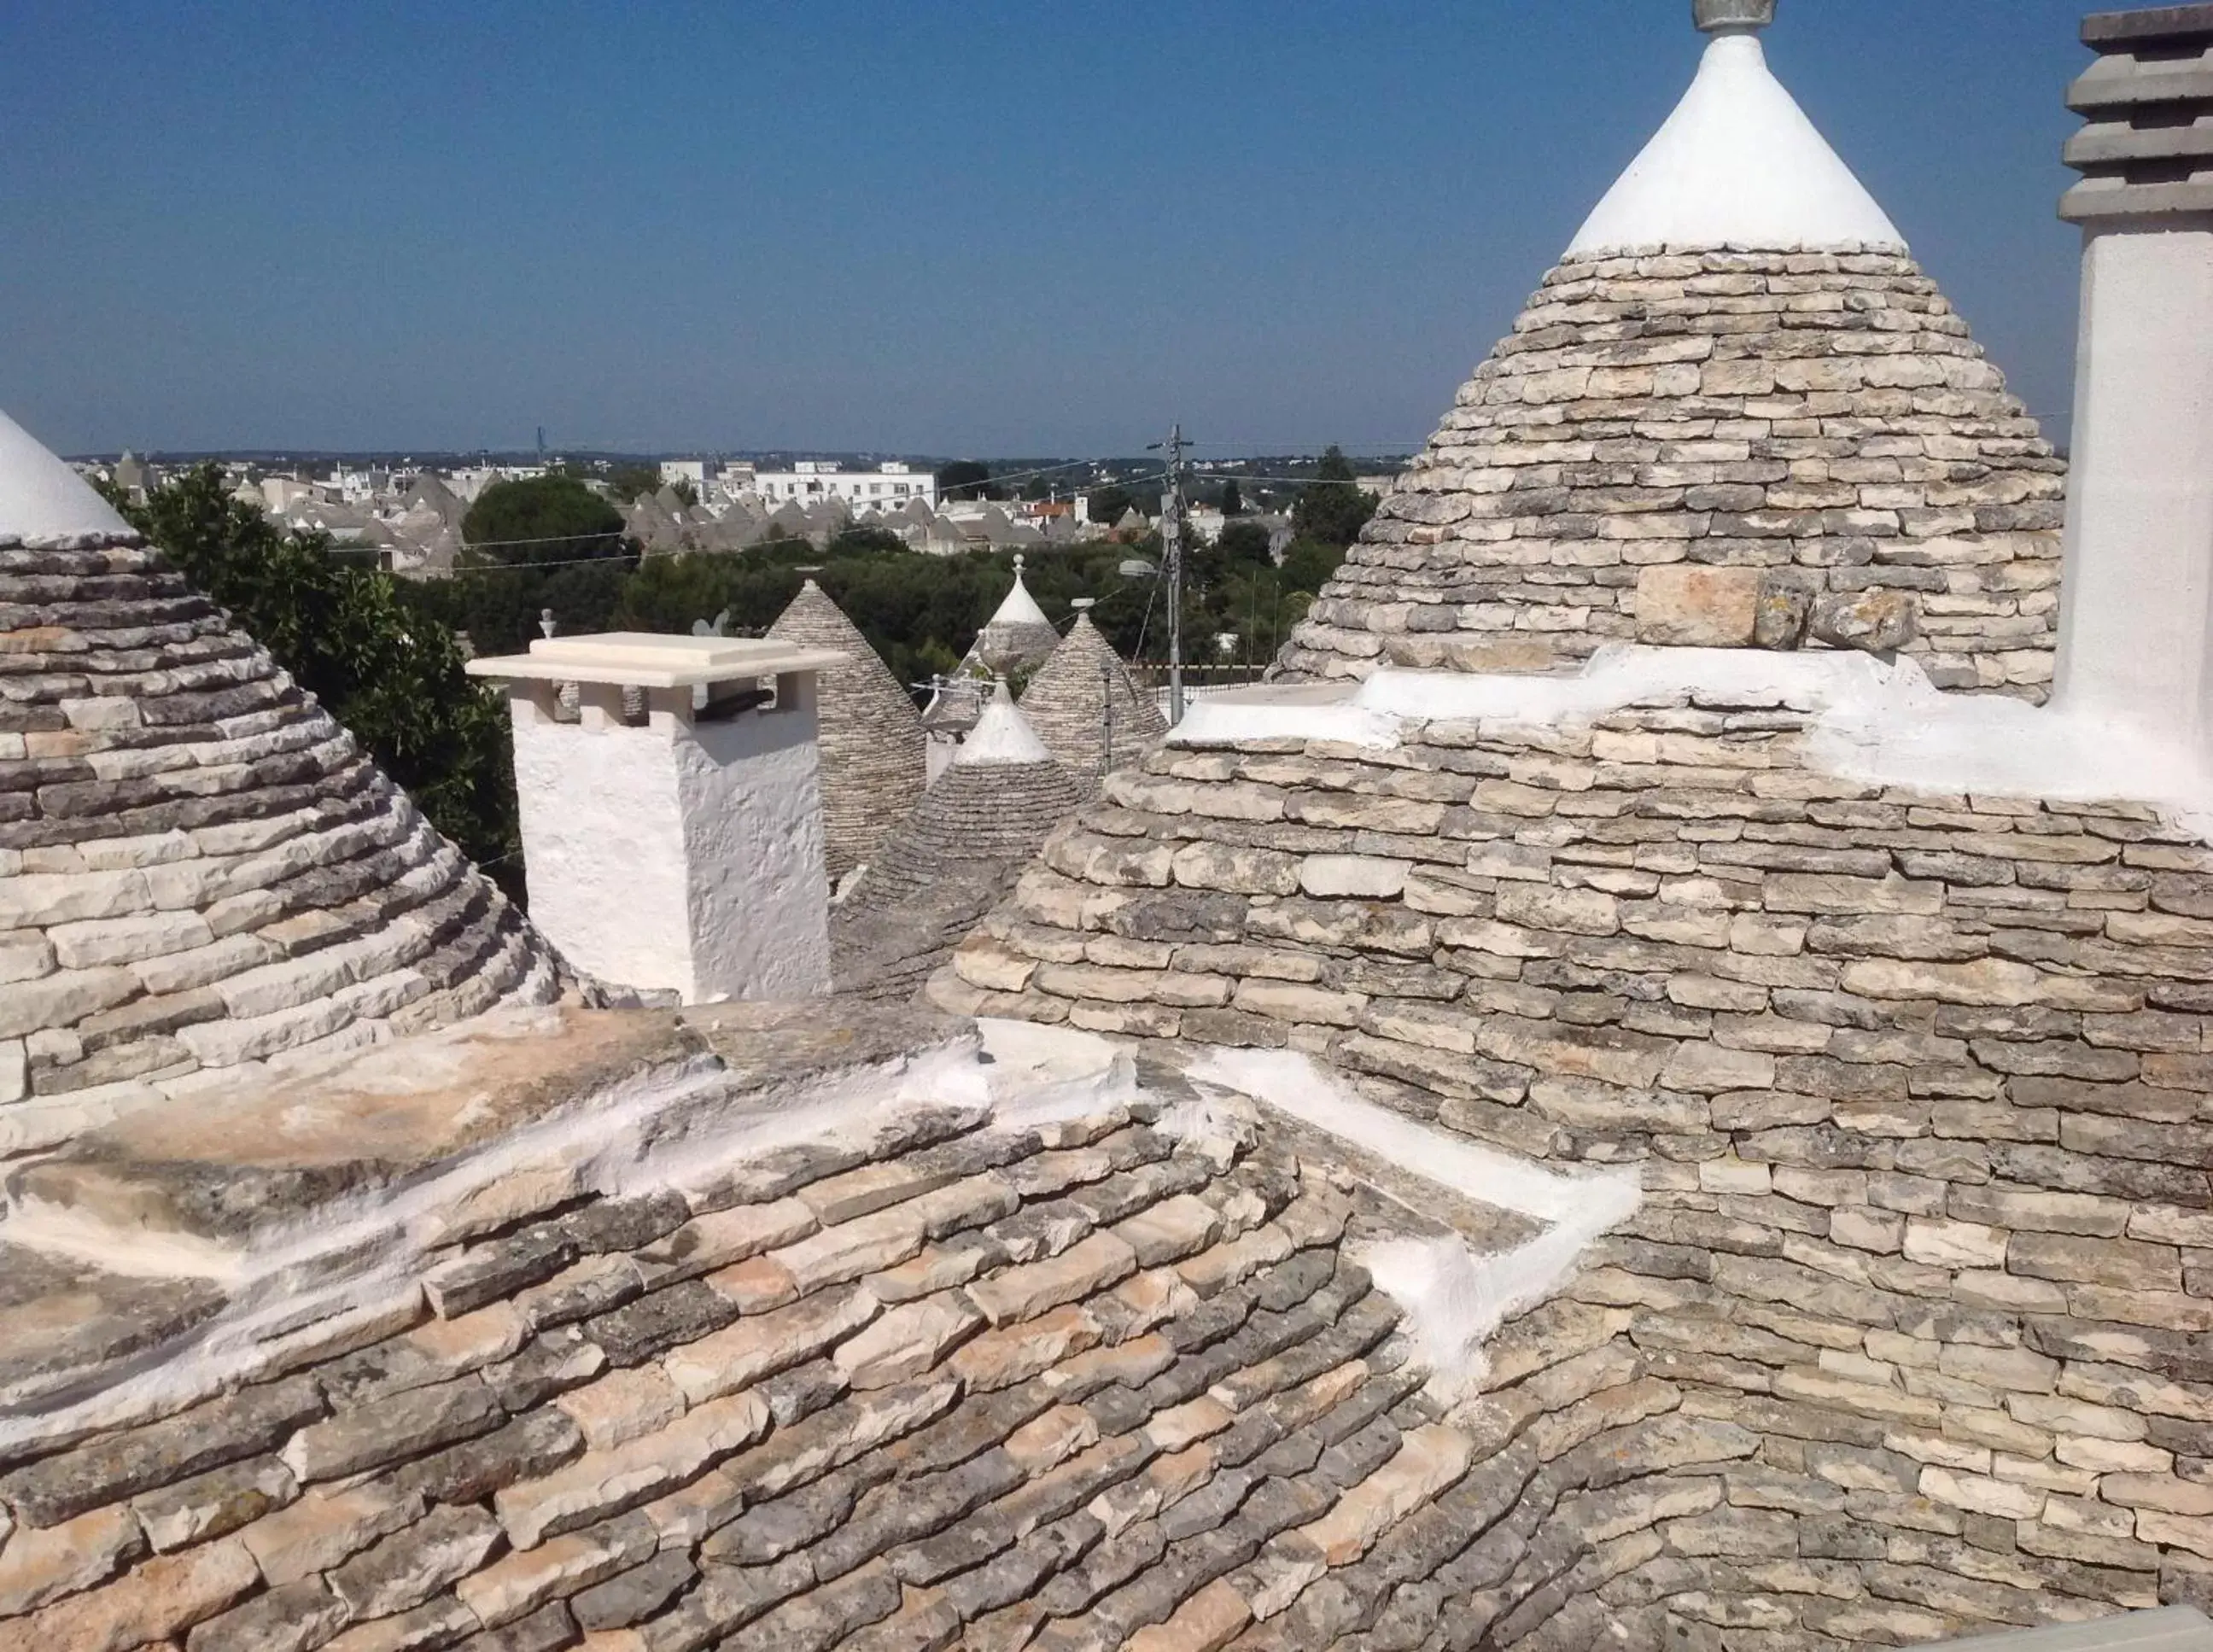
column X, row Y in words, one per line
column 992, row 808
column 210, row 871
column 1087, row 709
column 1018, row 636
column 1736, row 414
column 1002, row 736
column 874, row 756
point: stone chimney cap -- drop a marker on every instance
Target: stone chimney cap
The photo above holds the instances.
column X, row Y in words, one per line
column 1732, row 16
column 2107, row 28
column 2145, row 150
column 648, row 660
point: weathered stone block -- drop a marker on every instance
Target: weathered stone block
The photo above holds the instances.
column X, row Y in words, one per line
column 1691, row 606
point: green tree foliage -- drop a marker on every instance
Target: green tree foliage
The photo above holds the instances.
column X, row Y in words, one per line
column 966, row 479
column 1232, row 499
column 631, row 483
column 1330, row 509
column 362, row 642
column 1244, row 542
column 1109, row 504
column 544, row 518
column 546, row 543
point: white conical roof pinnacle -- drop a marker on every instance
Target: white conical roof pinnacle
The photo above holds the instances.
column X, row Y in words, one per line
column 1002, row 737
column 1020, row 608
column 41, row 497
column 1737, row 164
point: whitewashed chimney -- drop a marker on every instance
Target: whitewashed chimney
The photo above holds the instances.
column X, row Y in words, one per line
column 672, row 830
column 2137, row 612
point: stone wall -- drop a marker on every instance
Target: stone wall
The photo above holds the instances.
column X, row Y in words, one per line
column 1917, row 1084
column 1816, row 435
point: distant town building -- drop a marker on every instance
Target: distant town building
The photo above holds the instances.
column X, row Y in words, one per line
column 887, row 487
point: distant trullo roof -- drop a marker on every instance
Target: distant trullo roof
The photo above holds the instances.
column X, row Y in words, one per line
column 199, row 867
column 874, row 754
column 1018, row 636
column 1083, row 704
column 942, row 867
column 1737, row 413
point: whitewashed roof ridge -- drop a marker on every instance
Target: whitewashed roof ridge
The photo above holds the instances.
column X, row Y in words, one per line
column 1002, row 737
column 41, row 497
column 1737, row 164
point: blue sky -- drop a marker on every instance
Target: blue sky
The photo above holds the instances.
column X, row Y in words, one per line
column 1000, row 226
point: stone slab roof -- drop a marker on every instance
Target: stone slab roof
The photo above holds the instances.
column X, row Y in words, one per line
column 199, row 867
column 1076, row 1364
column 1086, row 709
column 874, row 754
column 1716, row 448
column 942, row 868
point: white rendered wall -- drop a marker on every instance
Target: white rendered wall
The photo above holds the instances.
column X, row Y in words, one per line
column 604, row 845
column 2136, row 592
column 677, row 857
column 751, row 794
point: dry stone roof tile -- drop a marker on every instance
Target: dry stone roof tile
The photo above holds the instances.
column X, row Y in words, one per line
column 874, row 753
column 1083, row 704
column 199, row 867
column 1715, row 448
column 1088, row 1382
column 943, row 867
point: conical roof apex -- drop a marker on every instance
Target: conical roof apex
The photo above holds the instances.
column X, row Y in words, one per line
column 1737, row 164
column 1019, row 608
column 1002, row 738
column 42, row 498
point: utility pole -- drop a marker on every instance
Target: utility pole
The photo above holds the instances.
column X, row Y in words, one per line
column 1171, row 540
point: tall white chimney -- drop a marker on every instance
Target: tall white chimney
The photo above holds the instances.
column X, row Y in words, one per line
column 672, row 831
column 2137, row 606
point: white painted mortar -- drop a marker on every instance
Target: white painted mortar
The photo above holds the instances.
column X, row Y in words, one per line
column 1455, row 1297
column 1881, row 721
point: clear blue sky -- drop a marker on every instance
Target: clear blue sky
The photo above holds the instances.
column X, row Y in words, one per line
column 999, row 226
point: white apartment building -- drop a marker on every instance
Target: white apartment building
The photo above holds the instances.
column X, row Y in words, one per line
column 886, row 488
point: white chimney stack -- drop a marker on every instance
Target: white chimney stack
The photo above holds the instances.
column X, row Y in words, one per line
column 673, row 831
column 2135, row 646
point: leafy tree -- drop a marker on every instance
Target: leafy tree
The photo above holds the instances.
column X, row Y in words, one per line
column 363, row 644
column 1109, row 504
column 1245, row 542
column 546, row 543
column 1232, row 499
column 682, row 488
column 630, row 482
column 966, row 479
column 541, row 520
column 1330, row 509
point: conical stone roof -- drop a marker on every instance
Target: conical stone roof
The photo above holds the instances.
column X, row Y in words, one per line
column 1017, row 636
column 1736, row 413
column 199, row 867
column 874, row 753
column 959, row 852
column 1085, row 707
column 993, row 805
